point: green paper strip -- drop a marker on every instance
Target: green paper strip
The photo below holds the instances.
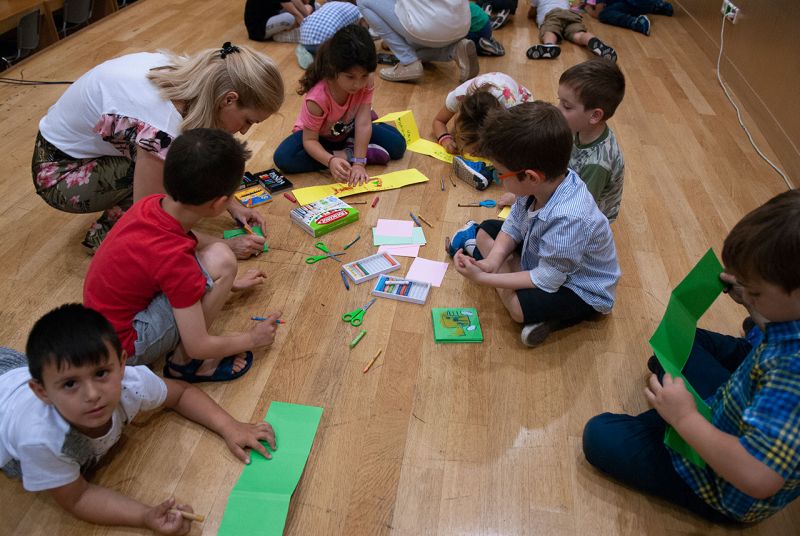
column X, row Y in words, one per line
column 239, row 232
column 673, row 339
column 417, row 237
column 259, row 502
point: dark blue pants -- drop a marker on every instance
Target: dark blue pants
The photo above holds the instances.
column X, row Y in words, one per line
column 631, row 448
column 485, row 32
column 624, row 12
column 291, row 156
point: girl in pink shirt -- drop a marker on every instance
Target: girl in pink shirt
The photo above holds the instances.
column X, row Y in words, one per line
column 334, row 128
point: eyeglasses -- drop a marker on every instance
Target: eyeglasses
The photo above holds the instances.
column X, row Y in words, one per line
column 507, row 174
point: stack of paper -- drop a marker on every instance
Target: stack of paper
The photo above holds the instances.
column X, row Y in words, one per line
column 398, row 237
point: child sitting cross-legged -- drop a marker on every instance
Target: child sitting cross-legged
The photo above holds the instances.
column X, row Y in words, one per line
column 751, row 447
column 161, row 286
column 64, row 406
column 553, row 261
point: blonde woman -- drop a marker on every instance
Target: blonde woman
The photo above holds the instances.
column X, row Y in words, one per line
column 102, row 145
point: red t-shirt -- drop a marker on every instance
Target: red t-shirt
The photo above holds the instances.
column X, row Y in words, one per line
column 146, row 252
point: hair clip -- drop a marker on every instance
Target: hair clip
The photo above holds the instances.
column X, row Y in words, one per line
column 227, row 49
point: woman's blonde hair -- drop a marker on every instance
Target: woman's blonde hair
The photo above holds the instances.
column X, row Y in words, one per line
column 202, row 81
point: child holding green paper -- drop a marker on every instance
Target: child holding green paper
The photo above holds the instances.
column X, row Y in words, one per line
column 64, row 406
column 751, row 447
column 161, row 286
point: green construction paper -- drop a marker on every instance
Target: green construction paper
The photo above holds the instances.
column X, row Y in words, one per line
column 464, row 326
column 673, row 339
column 239, row 232
column 417, row 237
column 259, row 502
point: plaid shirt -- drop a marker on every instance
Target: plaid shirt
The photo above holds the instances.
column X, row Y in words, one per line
column 326, row 21
column 760, row 404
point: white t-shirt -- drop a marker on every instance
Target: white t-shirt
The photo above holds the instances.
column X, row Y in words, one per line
column 508, row 92
column 119, row 86
column 37, row 442
column 436, row 21
column 543, row 7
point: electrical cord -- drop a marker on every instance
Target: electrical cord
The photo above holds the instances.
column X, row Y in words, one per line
column 739, row 113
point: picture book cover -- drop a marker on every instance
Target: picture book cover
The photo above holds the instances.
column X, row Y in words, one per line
column 452, row 324
column 324, row 215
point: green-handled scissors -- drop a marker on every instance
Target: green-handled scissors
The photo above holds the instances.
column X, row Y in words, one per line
column 488, row 203
column 321, row 246
column 356, row 317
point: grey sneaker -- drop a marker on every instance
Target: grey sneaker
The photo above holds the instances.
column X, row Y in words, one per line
column 289, row 36
column 466, row 57
column 402, row 73
column 471, row 172
column 533, row 335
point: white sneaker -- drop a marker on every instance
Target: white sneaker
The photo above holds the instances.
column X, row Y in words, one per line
column 466, row 57
column 403, row 73
column 533, row 335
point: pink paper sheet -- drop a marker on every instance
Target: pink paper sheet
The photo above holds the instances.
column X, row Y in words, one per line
column 400, row 251
column 428, row 271
column 394, row 228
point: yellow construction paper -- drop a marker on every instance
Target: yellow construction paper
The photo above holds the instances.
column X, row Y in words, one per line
column 405, row 123
column 378, row 183
column 504, row 213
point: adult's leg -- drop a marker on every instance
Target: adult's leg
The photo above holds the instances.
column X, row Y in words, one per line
column 631, row 450
column 620, row 14
column 382, row 19
column 390, row 139
column 291, row 156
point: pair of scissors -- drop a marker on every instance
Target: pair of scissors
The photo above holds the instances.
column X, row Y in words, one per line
column 321, row 246
column 488, row 203
column 355, row 318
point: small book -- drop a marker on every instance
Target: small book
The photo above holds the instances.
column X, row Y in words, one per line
column 324, row 215
column 456, row 325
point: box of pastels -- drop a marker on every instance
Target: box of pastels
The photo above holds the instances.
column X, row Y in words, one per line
column 370, row 267
column 398, row 288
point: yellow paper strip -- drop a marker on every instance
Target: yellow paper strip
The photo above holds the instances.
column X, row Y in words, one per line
column 504, row 213
column 378, row 183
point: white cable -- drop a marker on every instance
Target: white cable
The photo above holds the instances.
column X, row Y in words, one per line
column 739, row 113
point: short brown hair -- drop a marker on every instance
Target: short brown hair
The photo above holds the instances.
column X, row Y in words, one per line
column 765, row 244
column 472, row 112
column 598, row 83
column 532, row 135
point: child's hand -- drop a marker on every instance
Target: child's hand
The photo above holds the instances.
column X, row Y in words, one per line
column 450, row 146
column 467, row 266
column 247, row 215
column 241, row 436
column 671, row 400
column 506, row 200
column 162, row 520
column 358, row 175
column 736, row 292
column 249, row 279
column 340, row 168
column 245, row 246
column 264, row 332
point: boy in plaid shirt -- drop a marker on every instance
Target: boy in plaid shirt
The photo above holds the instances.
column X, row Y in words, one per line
column 752, row 444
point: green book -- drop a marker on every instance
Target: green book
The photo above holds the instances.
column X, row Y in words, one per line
column 456, row 324
column 239, row 232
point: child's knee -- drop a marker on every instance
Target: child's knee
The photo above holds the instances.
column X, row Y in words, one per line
column 218, row 260
column 595, row 439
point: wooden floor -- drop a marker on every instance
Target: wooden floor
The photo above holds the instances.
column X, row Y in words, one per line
column 435, row 439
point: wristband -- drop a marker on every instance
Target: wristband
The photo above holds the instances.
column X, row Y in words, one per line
column 444, row 136
column 354, row 160
column 331, row 159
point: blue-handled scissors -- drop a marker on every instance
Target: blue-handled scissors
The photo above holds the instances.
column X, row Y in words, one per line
column 356, row 317
column 321, row 246
column 488, row 203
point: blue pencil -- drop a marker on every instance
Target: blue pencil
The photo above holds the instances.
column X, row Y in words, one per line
column 415, row 219
column 344, row 280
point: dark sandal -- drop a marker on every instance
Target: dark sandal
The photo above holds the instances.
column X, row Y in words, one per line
column 223, row 372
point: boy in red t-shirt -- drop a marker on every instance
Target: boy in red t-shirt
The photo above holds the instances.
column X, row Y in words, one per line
column 160, row 286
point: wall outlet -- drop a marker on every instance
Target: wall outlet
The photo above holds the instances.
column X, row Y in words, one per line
column 730, row 11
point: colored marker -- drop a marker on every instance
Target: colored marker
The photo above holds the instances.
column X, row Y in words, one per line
column 262, row 319
column 356, row 239
column 415, row 219
column 426, row 221
column 373, row 361
column 375, row 201
column 443, row 183
column 344, row 278
column 358, row 338
column 243, row 224
column 356, row 202
column 290, row 197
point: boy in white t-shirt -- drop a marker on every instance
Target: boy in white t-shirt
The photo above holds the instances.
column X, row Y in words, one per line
column 64, row 407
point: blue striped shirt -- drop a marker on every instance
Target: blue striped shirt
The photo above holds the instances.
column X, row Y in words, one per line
column 567, row 242
column 759, row 404
column 326, row 21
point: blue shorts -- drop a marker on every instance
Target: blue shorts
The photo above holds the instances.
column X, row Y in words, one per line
column 156, row 329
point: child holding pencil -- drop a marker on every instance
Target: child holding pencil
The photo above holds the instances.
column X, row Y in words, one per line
column 64, row 406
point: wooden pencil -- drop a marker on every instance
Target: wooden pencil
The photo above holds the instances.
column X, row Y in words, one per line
column 425, row 221
column 189, row 515
column 373, row 361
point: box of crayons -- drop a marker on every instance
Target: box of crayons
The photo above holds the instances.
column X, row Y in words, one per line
column 324, row 216
column 370, row 267
column 397, row 288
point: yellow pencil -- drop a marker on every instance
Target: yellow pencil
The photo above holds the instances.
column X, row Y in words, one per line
column 424, row 220
column 373, row 361
column 189, row 515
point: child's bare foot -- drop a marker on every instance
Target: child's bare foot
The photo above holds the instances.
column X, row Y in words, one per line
column 248, row 279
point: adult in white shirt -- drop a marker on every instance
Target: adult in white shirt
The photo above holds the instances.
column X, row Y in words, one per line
column 422, row 30
column 102, row 145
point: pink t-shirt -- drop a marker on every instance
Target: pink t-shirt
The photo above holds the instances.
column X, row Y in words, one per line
column 337, row 121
